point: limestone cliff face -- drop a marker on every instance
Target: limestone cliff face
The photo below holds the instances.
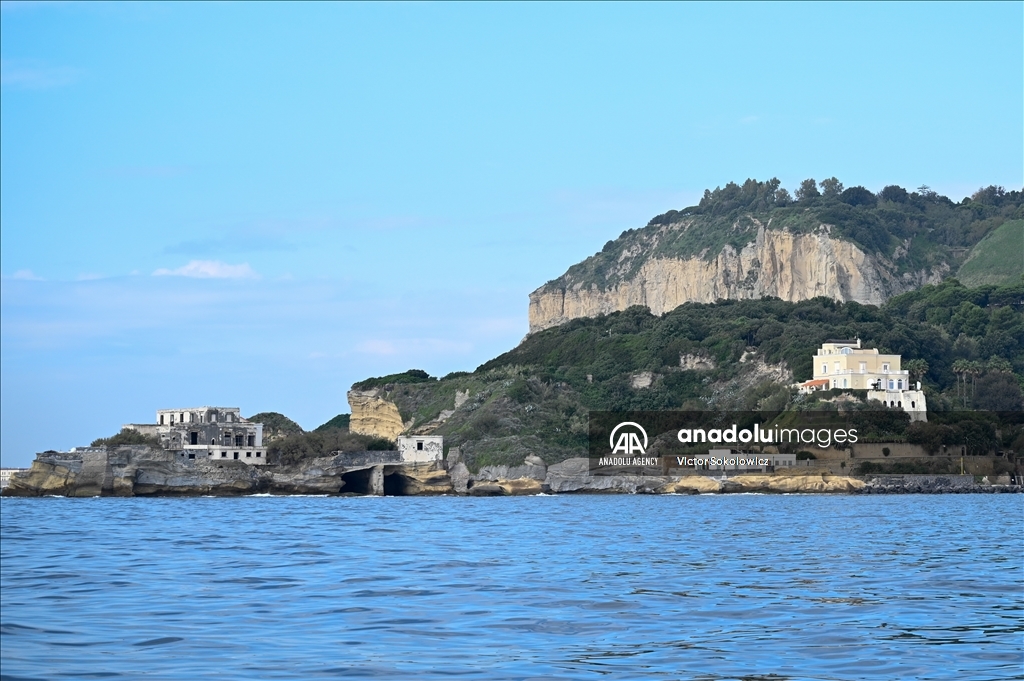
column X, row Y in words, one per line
column 777, row 263
column 374, row 415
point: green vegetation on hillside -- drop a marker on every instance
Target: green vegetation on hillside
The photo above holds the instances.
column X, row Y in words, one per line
column 965, row 345
column 917, row 230
column 127, row 436
column 340, row 421
column 997, row 259
column 410, row 376
column 276, row 424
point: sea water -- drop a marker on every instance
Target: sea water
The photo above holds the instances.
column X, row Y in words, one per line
column 656, row 587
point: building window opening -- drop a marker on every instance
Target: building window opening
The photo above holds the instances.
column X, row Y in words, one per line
column 252, row 440
column 193, row 438
column 223, row 455
column 172, row 419
column 181, row 418
column 161, row 419
column 257, row 455
column 239, row 439
column 236, row 455
column 419, row 446
column 191, row 455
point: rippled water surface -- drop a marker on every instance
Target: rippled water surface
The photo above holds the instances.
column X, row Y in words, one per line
column 674, row 587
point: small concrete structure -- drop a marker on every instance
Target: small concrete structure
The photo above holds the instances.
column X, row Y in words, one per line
column 207, row 433
column 421, row 448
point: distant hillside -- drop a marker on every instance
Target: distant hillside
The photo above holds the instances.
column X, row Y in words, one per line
column 275, row 425
column 756, row 240
column 997, row 259
column 535, row 399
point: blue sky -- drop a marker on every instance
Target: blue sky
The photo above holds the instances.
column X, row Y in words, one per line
column 257, row 205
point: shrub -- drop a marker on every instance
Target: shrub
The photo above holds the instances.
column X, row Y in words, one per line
column 127, row 436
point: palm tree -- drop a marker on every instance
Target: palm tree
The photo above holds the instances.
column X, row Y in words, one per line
column 960, row 368
column 974, row 369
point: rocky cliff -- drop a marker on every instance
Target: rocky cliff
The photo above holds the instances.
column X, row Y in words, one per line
column 374, row 415
column 779, row 263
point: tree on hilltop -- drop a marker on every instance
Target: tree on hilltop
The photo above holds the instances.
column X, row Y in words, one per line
column 808, row 190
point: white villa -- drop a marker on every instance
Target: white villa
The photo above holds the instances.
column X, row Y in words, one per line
column 845, row 364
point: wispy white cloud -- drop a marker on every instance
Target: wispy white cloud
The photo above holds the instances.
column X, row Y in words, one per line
column 25, row 275
column 34, row 75
column 209, row 269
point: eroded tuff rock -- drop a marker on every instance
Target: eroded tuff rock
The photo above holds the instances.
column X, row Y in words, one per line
column 790, row 266
column 374, row 415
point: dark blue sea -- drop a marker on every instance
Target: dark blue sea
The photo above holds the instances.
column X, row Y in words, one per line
column 621, row 587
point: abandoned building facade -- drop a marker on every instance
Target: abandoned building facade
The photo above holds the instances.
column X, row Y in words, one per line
column 207, row 433
column 421, row 448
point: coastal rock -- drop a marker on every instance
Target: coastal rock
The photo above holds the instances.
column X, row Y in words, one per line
column 527, row 470
column 692, row 484
column 422, row 480
column 486, row 489
column 44, row 478
column 606, row 484
column 460, row 477
column 521, row 486
column 792, row 483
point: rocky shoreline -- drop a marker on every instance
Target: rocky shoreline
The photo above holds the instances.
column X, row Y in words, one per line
column 140, row 471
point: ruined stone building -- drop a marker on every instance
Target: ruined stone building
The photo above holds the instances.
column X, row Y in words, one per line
column 207, row 433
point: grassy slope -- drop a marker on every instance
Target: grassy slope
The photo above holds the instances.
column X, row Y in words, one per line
column 998, row 258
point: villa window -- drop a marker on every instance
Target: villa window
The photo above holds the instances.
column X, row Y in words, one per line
column 419, row 446
column 890, row 385
column 824, row 370
column 223, row 455
column 885, row 368
column 161, row 419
